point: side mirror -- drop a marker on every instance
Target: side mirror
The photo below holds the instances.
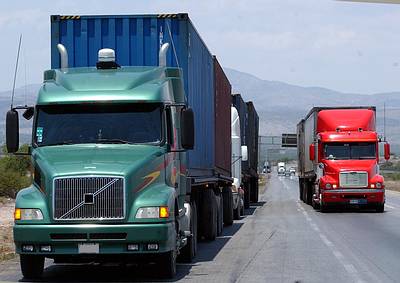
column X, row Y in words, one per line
column 28, row 113
column 245, row 156
column 12, row 131
column 187, row 126
column 312, row 152
column 386, row 148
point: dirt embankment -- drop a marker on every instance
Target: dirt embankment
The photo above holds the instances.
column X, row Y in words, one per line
column 392, row 185
column 6, row 222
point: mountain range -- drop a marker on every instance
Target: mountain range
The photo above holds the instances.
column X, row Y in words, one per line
column 280, row 105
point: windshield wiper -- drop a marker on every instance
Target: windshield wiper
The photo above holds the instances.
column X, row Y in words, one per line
column 113, row 141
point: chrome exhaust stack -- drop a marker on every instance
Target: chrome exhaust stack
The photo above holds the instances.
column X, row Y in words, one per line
column 162, row 55
column 64, row 55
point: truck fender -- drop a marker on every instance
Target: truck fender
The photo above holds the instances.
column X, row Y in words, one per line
column 185, row 220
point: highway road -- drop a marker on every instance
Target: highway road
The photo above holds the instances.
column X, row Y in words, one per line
column 279, row 240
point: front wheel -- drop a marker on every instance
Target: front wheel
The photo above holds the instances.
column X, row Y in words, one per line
column 189, row 251
column 32, row 266
column 380, row 208
column 167, row 264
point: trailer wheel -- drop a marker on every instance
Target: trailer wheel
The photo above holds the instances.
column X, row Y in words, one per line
column 220, row 214
column 209, row 215
column 237, row 212
column 228, row 205
column 31, row 266
column 246, row 195
column 189, row 251
column 301, row 186
column 254, row 190
column 380, row 208
column 167, row 264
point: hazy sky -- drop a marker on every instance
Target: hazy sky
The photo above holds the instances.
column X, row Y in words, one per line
column 351, row 47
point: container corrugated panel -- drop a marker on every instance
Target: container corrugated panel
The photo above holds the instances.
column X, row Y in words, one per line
column 241, row 107
column 223, row 140
column 136, row 40
column 252, row 137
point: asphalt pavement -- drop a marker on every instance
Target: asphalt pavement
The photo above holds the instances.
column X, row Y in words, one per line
column 279, row 240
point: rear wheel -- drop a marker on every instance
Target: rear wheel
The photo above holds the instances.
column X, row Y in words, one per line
column 167, row 264
column 220, row 216
column 227, row 205
column 32, row 266
column 247, row 195
column 380, row 208
column 236, row 211
column 301, row 188
column 254, row 190
column 209, row 215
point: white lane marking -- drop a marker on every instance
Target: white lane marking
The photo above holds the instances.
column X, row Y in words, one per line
column 351, row 270
column 391, row 207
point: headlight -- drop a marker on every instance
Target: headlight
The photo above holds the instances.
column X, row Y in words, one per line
column 328, row 186
column 154, row 212
column 378, row 185
column 28, row 214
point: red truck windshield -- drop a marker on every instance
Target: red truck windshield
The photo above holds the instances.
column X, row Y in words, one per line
column 343, row 151
column 98, row 123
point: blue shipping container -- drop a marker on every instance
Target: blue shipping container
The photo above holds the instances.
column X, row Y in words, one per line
column 136, row 40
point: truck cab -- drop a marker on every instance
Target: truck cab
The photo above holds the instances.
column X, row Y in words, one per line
column 108, row 156
column 338, row 150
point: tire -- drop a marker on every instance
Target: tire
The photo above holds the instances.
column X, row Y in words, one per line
column 314, row 205
column 220, row 215
column 380, row 208
column 32, row 266
column 246, row 195
column 227, row 205
column 254, row 190
column 322, row 208
column 301, row 188
column 189, row 251
column 209, row 215
column 236, row 212
column 167, row 265
column 309, row 189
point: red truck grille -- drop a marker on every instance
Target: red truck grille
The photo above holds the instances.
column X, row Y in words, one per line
column 353, row 179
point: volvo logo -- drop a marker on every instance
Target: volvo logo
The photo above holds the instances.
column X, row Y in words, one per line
column 88, row 198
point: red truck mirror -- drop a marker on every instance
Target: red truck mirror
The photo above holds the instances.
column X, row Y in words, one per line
column 386, row 148
column 312, row 152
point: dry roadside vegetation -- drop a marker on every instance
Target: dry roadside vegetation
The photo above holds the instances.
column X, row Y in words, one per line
column 6, row 221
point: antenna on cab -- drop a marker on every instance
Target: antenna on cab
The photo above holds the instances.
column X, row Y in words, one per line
column 15, row 73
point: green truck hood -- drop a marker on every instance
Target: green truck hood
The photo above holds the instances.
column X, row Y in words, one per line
column 95, row 159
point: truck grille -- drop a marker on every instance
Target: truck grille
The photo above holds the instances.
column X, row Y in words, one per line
column 353, row 179
column 88, row 198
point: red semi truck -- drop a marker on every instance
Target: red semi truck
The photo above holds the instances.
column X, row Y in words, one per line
column 338, row 156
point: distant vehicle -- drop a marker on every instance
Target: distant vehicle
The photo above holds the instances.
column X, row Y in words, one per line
column 292, row 171
column 338, row 158
column 287, row 173
column 281, row 168
column 239, row 154
column 249, row 126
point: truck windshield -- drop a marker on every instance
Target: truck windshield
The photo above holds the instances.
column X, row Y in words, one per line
column 344, row 151
column 98, row 123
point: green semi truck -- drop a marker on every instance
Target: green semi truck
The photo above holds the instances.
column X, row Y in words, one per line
column 123, row 158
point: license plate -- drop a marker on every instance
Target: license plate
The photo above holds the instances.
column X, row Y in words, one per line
column 358, row 201
column 88, row 248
